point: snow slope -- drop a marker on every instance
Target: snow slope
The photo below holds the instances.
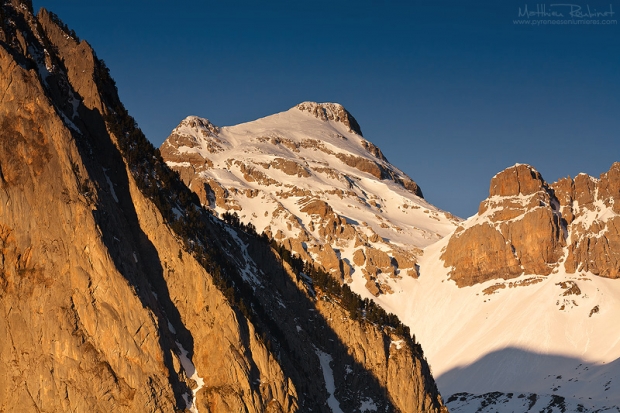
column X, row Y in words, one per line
column 528, row 336
column 314, row 145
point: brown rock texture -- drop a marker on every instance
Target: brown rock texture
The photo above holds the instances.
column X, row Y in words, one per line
column 363, row 164
column 393, row 361
column 593, row 207
column 525, row 224
column 68, row 337
column 359, row 258
column 519, row 179
column 287, row 166
column 480, row 254
column 517, row 231
column 329, row 259
column 331, row 111
column 112, row 278
column 374, row 150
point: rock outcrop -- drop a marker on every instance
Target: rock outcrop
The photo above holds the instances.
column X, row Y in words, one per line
column 334, row 112
column 529, row 227
column 592, row 211
column 118, row 292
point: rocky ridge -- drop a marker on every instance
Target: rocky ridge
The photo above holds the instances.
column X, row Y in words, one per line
column 119, row 293
column 308, row 178
column 527, row 226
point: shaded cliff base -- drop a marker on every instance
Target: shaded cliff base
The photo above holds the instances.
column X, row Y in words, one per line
column 517, row 402
column 526, row 381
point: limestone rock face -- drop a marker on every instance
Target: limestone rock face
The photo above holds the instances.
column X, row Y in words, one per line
column 394, row 363
column 70, row 318
column 517, row 230
column 594, row 222
column 308, row 178
column 480, row 254
column 525, row 225
column 520, row 179
column 119, row 293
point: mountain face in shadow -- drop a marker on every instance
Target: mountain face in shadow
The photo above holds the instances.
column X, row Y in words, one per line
column 543, row 378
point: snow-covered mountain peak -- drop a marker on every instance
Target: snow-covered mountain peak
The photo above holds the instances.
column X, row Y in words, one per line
column 465, row 288
column 305, row 177
column 196, row 123
column 331, row 112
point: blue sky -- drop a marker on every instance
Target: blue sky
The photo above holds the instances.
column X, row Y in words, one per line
column 451, row 92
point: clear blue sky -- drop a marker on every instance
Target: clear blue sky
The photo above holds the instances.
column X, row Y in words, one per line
column 451, row 92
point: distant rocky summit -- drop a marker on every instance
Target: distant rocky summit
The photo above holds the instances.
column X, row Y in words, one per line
column 527, row 226
column 334, row 112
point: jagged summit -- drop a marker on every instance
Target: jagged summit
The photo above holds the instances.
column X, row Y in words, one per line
column 331, row 111
column 518, row 179
column 198, row 123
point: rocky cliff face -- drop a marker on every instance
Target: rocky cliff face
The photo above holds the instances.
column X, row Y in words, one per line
column 308, row 178
column 591, row 208
column 529, row 227
column 119, row 293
